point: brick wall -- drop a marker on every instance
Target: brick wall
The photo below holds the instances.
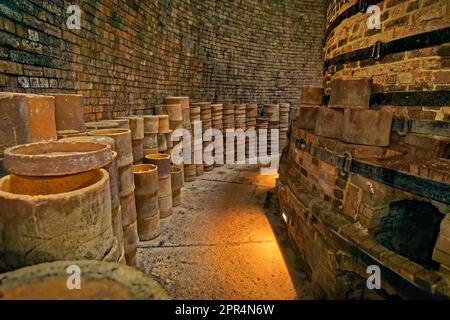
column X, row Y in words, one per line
column 425, row 69
column 130, row 54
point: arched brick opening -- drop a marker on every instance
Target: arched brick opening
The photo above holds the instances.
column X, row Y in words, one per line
column 411, row 229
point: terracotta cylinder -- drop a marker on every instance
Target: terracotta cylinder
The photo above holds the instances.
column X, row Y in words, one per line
column 190, row 172
column 117, row 228
column 165, row 187
column 131, row 241
column 176, row 198
column 162, row 161
column 122, row 139
column 150, row 141
column 69, row 112
column 163, row 125
column 176, row 178
column 174, row 125
column 112, row 168
column 138, row 151
column 199, row 170
column 48, row 281
column 113, row 172
column 126, row 180
column 272, row 111
column 165, row 206
column 147, row 187
column 129, row 214
column 173, row 111
column 34, row 230
column 186, row 118
column 169, row 140
column 136, row 125
column 149, row 228
column 162, row 142
column 114, row 183
column 176, row 184
column 151, row 124
column 183, row 101
column 26, row 118
column 132, row 258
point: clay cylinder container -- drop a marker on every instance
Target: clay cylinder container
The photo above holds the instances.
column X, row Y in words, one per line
column 48, row 281
column 177, row 184
column 56, row 218
column 183, row 101
column 123, row 123
column 200, row 170
column 162, row 161
column 176, row 198
column 136, row 125
column 272, row 111
column 163, row 124
column 174, row 125
column 56, row 158
column 128, row 205
column 151, row 124
column 147, row 186
column 69, row 112
column 165, row 206
column 114, row 184
column 131, row 241
column 117, row 228
column 189, row 172
column 162, row 142
column 165, row 187
column 101, row 125
column 26, row 118
column 149, row 228
column 150, row 141
column 113, row 172
column 169, row 141
column 172, row 110
column 228, row 116
column 186, row 118
column 146, row 195
column 122, row 139
column 138, row 151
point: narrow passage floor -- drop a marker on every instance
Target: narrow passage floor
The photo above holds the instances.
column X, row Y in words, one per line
column 221, row 244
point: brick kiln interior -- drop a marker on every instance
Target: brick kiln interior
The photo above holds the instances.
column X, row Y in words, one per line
column 363, row 120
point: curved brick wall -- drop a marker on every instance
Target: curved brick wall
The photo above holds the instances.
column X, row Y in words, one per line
column 424, row 69
column 345, row 219
column 130, row 54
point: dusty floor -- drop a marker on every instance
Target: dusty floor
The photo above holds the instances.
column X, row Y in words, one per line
column 220, row 244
